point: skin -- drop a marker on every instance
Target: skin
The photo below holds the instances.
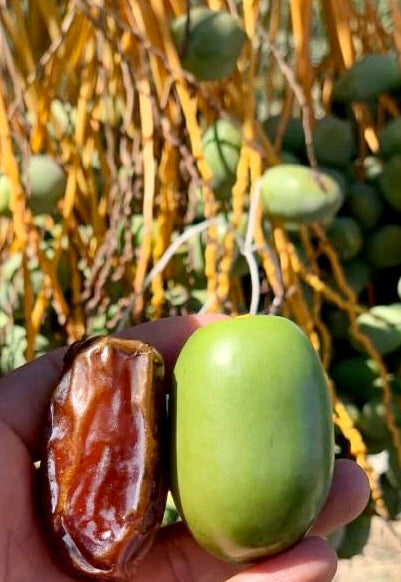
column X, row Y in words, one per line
column 174, row 557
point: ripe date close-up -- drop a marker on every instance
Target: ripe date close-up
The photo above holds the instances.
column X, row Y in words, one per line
column 104, row 482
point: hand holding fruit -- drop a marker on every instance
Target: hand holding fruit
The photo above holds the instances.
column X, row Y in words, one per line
column 174, row 555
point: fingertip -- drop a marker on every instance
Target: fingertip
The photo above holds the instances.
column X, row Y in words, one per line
column 355, row 485
column 311, row 560
column 348, row 497
column 348, row 470
column 323, row 559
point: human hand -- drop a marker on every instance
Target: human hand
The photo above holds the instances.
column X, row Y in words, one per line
column 174, row 557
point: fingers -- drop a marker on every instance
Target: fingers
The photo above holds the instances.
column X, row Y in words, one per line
column 24, row 393
column 176, row 552
column 312, row 560
column 176, row 557
column 349, row 495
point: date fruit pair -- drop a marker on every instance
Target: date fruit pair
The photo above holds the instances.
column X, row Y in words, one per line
column 249, row 452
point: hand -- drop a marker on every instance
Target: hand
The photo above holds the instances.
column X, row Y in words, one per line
column 174, row 557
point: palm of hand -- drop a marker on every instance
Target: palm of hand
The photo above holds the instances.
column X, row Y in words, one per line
column 25, row 555
column 174, row 557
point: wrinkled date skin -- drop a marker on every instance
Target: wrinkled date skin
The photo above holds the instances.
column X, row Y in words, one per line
column 103, row 468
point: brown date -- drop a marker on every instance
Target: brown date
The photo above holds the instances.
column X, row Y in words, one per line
column 103, row 466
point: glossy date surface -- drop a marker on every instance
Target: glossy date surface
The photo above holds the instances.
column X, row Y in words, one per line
column 103, row 467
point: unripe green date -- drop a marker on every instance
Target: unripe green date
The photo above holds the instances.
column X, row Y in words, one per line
column 251, row 436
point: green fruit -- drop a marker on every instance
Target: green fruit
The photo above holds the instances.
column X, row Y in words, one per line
column 337, row 321
column 196, row 203
column 355, row 538
column 382, row 325
column 12, row 286
column 390, row 182
column 136, row 226
column 337, row 175
column 11, row 266
column 353, row 411
column 109, row 111
column 373, row 421
column 356, row 377
column 394, row 472
column 390, row 138
column 383, row 247
column 357, row 274
column 47, row 182
column 368, row 78
column 12, row 354
column 63, row 266
column 4, row 196
column 211, row 48
column 364, row 204
column 293, row 139
column 251, row 436
column 138, row 230
column 391, row 495
column 296, row 193
column 223, row 227
column 289, row 158
column 221, row 148
column 346, row 237
column 394, row 363
column 61, row 121
column 196, row 254
column 373, row 167
column 125, row 174
column 63, row 118
column 239, row 265
column 333, row 140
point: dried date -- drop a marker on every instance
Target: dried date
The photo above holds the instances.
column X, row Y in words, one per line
column 104, row 479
